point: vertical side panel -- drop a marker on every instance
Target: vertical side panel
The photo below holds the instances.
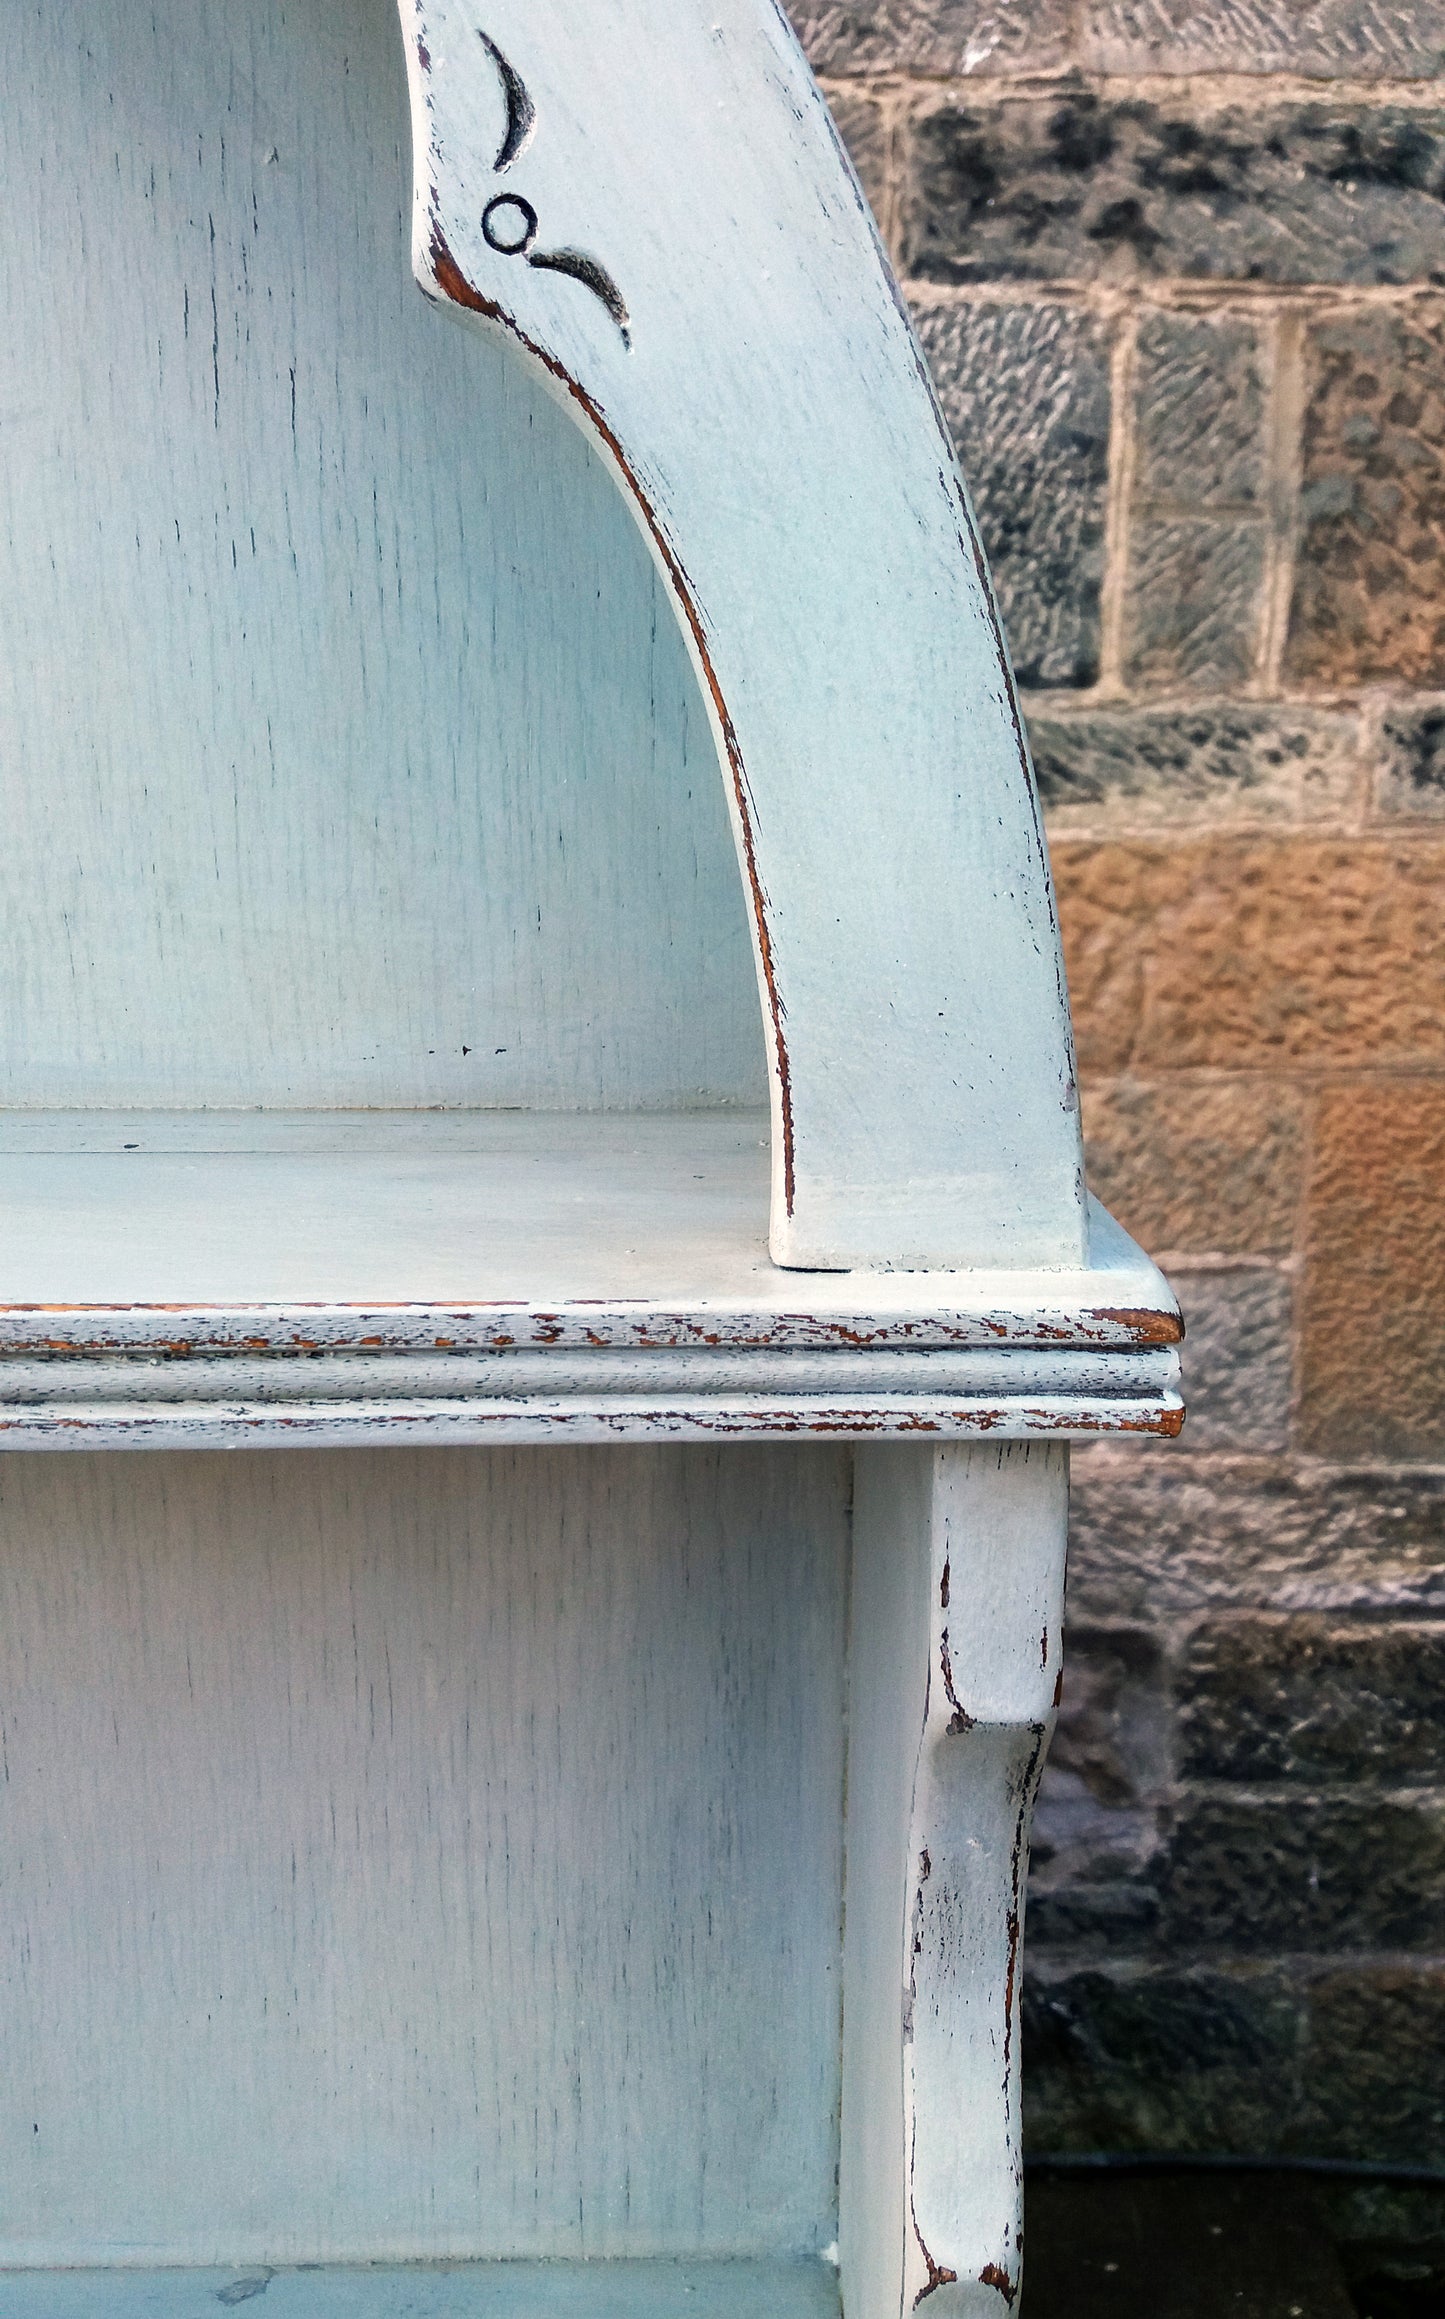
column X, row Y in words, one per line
column 668, row 230
column 955, row 1656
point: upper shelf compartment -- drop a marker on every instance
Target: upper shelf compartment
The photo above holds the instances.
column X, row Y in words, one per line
column 351, row 754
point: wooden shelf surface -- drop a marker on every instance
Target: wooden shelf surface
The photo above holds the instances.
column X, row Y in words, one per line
column 660, row 2289
column 226, row 1277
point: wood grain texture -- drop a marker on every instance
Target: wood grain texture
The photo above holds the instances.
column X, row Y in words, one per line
column 429, row 1854
column 769, row 418
column 595, row 1279
column 615, row 2290
column 350, row 754
column 953, row 1677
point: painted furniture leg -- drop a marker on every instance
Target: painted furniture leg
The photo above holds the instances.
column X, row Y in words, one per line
column 954, row 1670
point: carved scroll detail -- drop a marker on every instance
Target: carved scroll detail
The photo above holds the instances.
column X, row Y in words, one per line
column 509, row 222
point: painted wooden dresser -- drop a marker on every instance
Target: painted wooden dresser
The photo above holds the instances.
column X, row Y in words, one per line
column 538, row 1092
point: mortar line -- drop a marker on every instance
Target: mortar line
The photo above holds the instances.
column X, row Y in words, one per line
column 1212, row 294
column 1208, row 91
column 1117, row 505
column 1285, row 465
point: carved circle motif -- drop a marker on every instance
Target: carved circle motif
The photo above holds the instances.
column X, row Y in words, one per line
column 509, row 224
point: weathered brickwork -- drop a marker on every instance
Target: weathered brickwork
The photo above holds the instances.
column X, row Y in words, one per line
column 1179, row 269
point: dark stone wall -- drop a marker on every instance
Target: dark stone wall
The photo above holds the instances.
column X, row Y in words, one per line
column 1179, row 268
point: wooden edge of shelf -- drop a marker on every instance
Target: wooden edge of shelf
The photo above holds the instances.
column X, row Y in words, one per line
column 242, row 1424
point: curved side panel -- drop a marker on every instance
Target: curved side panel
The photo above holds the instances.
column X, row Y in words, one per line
column 648, row 196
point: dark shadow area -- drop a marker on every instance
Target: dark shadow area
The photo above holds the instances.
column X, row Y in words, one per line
column 1203, row 2245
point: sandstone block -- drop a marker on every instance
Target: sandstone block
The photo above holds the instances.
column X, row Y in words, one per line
column 1236, row 1358
column 1096, row 1822
column 1373, row 1320
column 1199, row 411
column 1137, row 768
column 861, row 125
column 1194, row 600
column 1372, row 2064
column 1026, row 393
column 1155, row 1533
column 1369, row 595
column 1212, row 1167
column 948, row 37
column 1312, row 1698
column 1246, row 953
column 1254, row 1874
column 1078, row 187
column 1410, row 772
column 1329, row 39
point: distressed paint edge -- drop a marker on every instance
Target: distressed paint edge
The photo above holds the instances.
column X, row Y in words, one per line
column 239, row 1425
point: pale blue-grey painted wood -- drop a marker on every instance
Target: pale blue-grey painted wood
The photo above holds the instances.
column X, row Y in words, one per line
column 954, row 1667
column 344, row 725
column 598, row 1228
column 423, row 1854
column 768, row 414
column 547, row 1277
column 619, row 2290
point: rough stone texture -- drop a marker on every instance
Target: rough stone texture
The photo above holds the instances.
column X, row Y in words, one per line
column 1175, row 766
column 1236, row 1359
column 1374, row 2051
column 863, row 127
column 1369, row 599
column 1410, row 770
column 1096, row 1826
column 1248, row 1873
column 1194, row 602
column 1236, row 1932
column 1078, row 187
column 1171, row 1531
column 948, row 37
column 1199, row 399
column 1310, row 1698
column 1211, row 1167
column 1164, row 2059
column 1347, row 2063
column 1196, row 562
column 1026, row 393
column 1252, row 953
column 1374, row 1301
column 1348, row 39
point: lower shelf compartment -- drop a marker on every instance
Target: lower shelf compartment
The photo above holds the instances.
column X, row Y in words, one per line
column 659, row 2289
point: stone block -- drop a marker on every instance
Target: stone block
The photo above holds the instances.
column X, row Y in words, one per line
column 1369, row 592
column 1201, row 1167
column 1307, row 1874
column 1096, row 1825
column 1168, row 2058
column 951, row 38
column 1159, row 1532
column 1199, row 405
column 1193, row 603
column 1327, row 39
column 861, row 124
column 1138, row 768
column 1410, row 766
column 1081, row 187
column 1026, row 393
column 1373, row 1322
column 1237, row 1358
column 1372, row 2065
column 1312, row 1698
column 1245, row 953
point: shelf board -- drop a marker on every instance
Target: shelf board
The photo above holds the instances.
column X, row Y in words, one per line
column 218, row 1278
column 659, row 2289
